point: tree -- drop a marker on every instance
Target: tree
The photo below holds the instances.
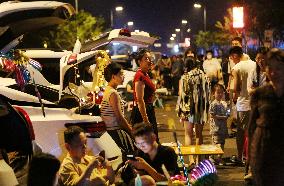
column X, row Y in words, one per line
column 220, row 38
column 85, row 26
column 211, row 39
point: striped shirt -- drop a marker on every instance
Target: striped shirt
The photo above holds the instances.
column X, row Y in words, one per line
column 107, row 112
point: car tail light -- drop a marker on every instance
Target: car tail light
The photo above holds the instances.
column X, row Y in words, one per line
column 28, row 120
column 125, row 32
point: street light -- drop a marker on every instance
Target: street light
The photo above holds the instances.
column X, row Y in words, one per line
column 188, row 30
column 172, row 38
column 177, row 30
column 117, row 9
column 130, row 23
column 174, row 35
column 198, row 5
column 184, row 22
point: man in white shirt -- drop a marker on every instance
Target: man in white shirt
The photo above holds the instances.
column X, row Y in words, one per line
column 240, row 74
column 213, row 69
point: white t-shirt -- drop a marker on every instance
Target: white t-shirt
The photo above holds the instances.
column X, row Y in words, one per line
column 213, row 70
column 243, row 69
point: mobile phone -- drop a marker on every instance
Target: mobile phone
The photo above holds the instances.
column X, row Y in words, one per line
column 131, row 157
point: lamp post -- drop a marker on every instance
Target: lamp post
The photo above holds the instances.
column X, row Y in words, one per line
column 198, row 5
column 117, row 9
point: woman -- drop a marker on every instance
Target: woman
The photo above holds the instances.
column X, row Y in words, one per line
column 112, row 110
column 257, row 77
column 144, row 90
column 193, row 101
column 267, row 124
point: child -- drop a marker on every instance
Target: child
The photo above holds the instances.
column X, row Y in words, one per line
column 218, row 118
column 78, row 168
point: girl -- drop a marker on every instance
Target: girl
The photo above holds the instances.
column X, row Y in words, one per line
column 218, row 117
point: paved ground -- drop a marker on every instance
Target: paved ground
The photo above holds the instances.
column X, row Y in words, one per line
column 228, row 175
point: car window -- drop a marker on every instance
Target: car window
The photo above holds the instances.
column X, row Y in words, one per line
column 50, row 69
column 48, row 94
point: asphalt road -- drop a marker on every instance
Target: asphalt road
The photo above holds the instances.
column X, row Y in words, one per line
column 167, row 117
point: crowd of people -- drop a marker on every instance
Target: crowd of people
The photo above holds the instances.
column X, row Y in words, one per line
column 208, row 89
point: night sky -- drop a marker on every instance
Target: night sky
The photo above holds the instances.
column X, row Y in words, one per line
column 159, row 17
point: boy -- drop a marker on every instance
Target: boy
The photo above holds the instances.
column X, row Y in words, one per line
column 152, row 155
column 78, row 168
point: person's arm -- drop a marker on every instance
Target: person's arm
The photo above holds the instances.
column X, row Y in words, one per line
column 139, row 89
column 129, row 88
column 236, row 85
column 70, row 177
column 143, row 165
column 220, row 75
column 251, row 82
column 115, row 104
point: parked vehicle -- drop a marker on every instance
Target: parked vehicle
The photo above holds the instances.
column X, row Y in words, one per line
column 59, row 107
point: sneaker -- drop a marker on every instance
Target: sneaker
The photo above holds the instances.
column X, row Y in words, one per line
column 248, row 176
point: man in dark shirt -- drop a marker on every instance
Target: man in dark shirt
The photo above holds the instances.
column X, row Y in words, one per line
column 151, row 155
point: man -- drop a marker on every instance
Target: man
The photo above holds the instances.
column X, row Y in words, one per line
column 177, row 71
column 236, row 41
column 213, row 69
column 240, row 74
column 151, row 155
column 78, row 168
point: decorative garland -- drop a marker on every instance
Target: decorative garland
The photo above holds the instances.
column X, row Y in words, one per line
column 16, row 62
column 203, row 174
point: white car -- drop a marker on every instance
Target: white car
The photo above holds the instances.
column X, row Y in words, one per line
column 49, row 129
column 60, row 111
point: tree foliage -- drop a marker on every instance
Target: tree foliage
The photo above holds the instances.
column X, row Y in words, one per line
column 85, row 26
column 220, row 38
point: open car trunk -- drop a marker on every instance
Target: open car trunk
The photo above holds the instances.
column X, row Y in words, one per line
column 18, row 18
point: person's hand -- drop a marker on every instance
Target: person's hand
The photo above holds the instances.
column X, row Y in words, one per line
column 139, row 164
column 106, row 164
column 96, row 162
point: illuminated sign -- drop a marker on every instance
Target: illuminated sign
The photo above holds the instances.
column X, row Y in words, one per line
column 238, row 17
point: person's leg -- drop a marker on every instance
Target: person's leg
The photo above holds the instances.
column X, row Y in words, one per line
column 198, row 131
column 188, row 137
column 152, row 119
column 188, row 132
column 242, row 122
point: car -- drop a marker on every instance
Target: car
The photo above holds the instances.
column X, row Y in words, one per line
column 49, row 116
column 58, row 107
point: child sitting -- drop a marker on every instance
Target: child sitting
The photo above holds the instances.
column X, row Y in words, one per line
column 218, row 118
column 78, row 168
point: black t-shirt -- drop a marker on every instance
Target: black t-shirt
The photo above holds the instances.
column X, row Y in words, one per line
column 165, row 155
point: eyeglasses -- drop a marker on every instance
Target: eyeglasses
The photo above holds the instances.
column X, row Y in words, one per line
column 142, row 144
column 149, row 59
